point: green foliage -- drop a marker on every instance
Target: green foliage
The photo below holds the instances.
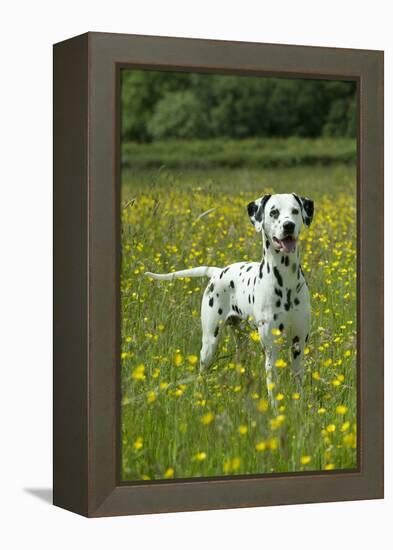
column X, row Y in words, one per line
column 178, row 114
column 161, row 105
column 231, row 153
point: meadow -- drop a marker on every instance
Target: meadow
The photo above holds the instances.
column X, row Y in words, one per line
column 177, row 423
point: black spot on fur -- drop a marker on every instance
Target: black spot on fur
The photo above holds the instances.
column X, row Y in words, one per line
column 296, row 301
column 255, row 280
column 249, row 268
column 211, row 302
column 216, row 332
column 278, row 303
column 275, row 317
column 278, row 292
column 295, row 339
column 232, row 284
column 221, row 274
column 217, row 295
column 281, row 327
column 241, row 267
column 287, row 261
column 296, row 353
column 267, row 243
column 249, row 299
column 219, row 311
column 253, row 299
column 261, row 269
column 282, row 259
column 288, row 304
column 307, row 337
column 248, row 283
column 294, row 267
column 277, row 275
column 268, row 267
column 211, row 287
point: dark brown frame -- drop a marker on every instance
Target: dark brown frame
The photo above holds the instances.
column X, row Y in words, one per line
column 86, row 264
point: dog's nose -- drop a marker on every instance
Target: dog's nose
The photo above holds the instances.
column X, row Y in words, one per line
column 288, row 227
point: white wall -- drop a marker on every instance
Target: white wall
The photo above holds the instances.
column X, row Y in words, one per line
column 27, row 31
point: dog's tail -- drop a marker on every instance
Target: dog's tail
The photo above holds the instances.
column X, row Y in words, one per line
column 202, row 271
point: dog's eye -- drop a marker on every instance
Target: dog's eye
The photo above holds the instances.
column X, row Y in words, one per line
column 274, row 213
column 295, row 211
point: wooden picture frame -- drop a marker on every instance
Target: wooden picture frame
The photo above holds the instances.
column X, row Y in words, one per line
column 86, row 273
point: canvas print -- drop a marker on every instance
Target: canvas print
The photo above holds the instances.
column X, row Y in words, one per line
column 238, row 275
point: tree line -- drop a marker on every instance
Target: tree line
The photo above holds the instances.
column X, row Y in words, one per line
column 158, row 105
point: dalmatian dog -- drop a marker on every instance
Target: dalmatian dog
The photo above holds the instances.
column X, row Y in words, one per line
column 271, row 294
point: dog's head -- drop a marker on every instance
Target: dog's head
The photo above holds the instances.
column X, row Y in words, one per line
column 281, row 217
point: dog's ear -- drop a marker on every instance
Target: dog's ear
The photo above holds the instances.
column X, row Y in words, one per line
column 306, row 208
column 256, row 212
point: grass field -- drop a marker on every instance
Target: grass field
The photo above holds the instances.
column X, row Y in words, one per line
column 176, row 423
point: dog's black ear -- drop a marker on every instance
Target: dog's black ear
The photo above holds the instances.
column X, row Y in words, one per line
column 306, row 208
column 256, row 211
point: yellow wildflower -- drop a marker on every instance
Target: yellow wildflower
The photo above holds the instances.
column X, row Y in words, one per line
column 139, row 373
column 260, row 446
column 207, row 418
column 200, row 456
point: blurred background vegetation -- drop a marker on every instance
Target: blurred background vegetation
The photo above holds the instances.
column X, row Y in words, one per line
column 197, row 120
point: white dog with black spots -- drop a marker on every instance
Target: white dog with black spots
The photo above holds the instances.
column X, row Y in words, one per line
column 271, row 294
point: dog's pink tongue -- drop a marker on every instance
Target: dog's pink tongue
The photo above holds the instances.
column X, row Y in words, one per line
column 288, row 244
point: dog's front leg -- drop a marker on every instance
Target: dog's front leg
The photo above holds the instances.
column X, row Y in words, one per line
column 271, row 356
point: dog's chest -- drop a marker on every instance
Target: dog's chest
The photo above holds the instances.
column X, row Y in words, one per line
column 280, row 291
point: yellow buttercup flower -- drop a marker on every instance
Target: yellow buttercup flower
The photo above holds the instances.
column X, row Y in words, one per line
column 281, row 364
column 169, row 473
column 207, row 418
column 151, row 397
column 263, row 405
column 261, row 446
column 341, row 409
column 201, row 456
column 139, row 373
column 243, row 429
column 306, row 459
column 192, row 359
column 254, row 336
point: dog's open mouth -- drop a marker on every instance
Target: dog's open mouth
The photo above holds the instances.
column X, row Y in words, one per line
column 287, row 244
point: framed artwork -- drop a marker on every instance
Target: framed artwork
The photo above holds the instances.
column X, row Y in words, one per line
column 218, row 274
